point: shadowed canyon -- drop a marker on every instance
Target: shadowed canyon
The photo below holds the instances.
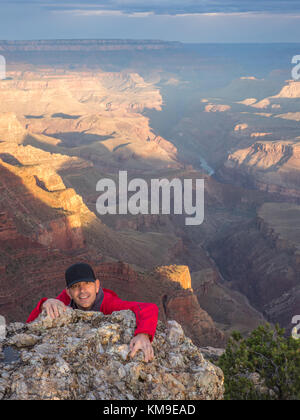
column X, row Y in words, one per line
column 74, row 112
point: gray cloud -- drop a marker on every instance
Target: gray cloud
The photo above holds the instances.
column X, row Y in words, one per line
column 170, row 7
column 235, row 21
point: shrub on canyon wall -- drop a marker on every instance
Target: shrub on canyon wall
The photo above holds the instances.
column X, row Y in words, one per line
column 264, row 366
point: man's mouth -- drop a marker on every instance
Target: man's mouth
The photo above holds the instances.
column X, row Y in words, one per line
column 83, row 297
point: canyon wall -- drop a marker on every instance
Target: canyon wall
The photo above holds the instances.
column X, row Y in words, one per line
column 273, row 167
column 261, row 261
column 169, row 288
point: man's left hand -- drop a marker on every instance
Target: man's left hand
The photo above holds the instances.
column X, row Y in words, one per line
column 142, row 342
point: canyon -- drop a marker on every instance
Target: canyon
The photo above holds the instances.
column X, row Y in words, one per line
column 63, row 128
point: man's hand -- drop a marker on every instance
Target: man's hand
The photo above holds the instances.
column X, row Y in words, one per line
column 142, row 342
column 54, row 307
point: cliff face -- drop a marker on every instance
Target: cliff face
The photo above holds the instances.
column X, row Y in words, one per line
column 283, row 309
column 230, row 309
column 96, row 116
column 197, row 324
column 11, row 129
column 169, row 287
column 177, row 273
column 94, row 362
column 65, row 233
column 277, row 222
column 71, row 95
column 8, row 229
column 291, row 90
column 118, row 271
column 261, row 260
column 45, row 163
column 268, row 166
column 25, row 199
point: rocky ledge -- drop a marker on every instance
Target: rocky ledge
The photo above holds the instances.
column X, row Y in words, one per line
column 86, row 355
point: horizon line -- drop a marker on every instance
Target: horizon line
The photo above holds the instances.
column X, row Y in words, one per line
column 143, row 40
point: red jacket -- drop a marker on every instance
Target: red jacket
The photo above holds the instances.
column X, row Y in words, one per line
column 146, row 313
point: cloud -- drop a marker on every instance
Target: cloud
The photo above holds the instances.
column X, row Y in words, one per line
column 166, row 7
column 120, row 13
column 97, row 12
column 87, row 12
column 170, row 20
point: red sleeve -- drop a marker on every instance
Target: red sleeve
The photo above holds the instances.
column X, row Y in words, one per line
column 37, row 310
column 63, row 297
column 146, row 313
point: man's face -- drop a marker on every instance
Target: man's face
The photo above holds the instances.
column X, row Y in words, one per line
column 84, row 293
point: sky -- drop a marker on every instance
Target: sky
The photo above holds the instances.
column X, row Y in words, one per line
column 169, row 20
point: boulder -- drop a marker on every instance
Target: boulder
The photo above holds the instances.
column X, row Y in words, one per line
column 86, row 355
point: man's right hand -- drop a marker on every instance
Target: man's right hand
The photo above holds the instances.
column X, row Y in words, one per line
column 54, row 307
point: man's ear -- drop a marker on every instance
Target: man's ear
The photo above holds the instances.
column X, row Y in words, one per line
column 97, row 282
column 68, row 293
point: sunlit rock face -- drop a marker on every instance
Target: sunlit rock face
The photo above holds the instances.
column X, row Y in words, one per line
column 177, row 273
column 11, row 129
column 86, row 355
column 270, row 166
column 290, row 90
column 95, row 115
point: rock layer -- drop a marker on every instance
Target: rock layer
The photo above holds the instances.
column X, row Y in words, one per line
column 178, row 273
column 268, row 166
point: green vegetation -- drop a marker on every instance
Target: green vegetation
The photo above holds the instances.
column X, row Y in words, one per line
column 264, row 366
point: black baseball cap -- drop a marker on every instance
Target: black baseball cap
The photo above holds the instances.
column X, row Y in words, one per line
column 79, row 272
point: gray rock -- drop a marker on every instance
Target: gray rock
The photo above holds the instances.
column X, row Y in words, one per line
column 212, row 353
column 175, row 334
column 15, row 327
column 85, row 355
column 2, row 328
column 23, row 340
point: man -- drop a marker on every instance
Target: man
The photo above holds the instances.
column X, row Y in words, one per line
column 83, row 292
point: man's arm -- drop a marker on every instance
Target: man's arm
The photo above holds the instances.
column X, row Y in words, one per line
column 37, row 310
column 146, row 313
column 52, row 305
column 146, row 321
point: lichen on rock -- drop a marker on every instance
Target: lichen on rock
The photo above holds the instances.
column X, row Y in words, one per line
column 86, row 355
